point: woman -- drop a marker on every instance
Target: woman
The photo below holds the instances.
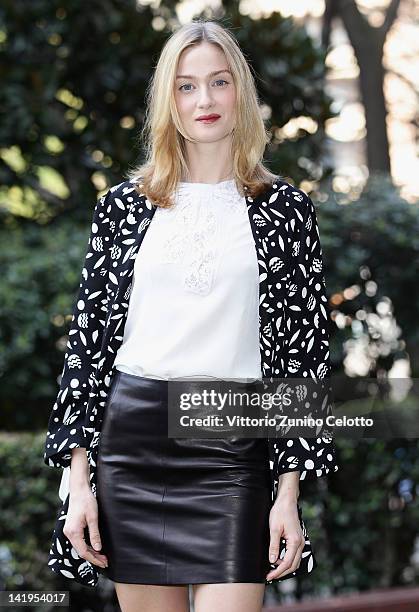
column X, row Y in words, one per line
column 228, row 286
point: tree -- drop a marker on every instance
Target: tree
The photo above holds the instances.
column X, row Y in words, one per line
column 368, row 44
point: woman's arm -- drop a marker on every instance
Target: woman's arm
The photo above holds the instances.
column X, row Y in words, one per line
column 284, row 523
column 306, row 346
column 306, row 330
column 80, row 472
column 66, row 422
column 83, row 512
column 288, row 486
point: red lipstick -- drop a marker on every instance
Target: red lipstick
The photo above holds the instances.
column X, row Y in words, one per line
column 208, row 118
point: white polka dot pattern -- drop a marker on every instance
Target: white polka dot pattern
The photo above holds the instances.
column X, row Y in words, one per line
column 293, row 331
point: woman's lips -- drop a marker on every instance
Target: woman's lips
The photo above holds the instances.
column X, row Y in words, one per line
column 210, row 120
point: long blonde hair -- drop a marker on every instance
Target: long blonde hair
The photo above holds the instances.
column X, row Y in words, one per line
column 162, row 132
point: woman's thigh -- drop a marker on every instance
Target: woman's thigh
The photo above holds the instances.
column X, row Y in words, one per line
column 231, row 596
column 152, row 597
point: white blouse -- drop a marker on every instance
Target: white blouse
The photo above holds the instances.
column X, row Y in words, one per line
column 193, row 310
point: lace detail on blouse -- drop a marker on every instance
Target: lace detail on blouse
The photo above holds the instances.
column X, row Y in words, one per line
column 197, row 217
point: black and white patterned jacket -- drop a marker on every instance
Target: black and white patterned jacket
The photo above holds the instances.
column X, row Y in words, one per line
column 293, row 331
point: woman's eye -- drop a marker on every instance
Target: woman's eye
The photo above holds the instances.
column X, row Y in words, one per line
column 189, row 84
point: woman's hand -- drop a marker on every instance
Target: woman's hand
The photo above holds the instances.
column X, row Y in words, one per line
column 83, row 512
column 284, row 522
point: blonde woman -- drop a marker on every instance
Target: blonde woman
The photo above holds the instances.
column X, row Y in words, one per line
column 202, row 265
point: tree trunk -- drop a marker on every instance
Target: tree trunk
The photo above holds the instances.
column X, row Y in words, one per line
column 367, row 43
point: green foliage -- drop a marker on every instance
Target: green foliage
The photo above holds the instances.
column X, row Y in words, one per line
column 41, row 273
column 73, row 74
column 370, row 509
column 289, row 68
column 371, row 249
column 74, row 78
column 28, row 498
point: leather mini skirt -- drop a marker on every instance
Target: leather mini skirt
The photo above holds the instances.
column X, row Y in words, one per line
column 177, row 510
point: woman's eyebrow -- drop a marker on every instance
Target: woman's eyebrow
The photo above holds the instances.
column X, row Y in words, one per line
column 189, row 76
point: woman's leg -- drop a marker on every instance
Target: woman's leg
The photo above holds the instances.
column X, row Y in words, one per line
column 152, row 597
column 231, row 596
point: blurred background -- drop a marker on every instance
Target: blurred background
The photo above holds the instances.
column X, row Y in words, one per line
column 338, row 82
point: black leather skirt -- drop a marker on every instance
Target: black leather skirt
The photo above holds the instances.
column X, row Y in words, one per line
column 176, row 510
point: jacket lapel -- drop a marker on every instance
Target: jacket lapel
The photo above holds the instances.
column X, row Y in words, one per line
column 127, row 243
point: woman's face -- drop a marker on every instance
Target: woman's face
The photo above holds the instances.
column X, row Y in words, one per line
column 200, row 92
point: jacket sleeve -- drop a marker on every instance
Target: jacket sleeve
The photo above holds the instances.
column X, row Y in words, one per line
column 306, row 343
column 66, row 421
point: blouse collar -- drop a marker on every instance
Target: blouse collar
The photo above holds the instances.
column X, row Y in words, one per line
column 224, row 191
